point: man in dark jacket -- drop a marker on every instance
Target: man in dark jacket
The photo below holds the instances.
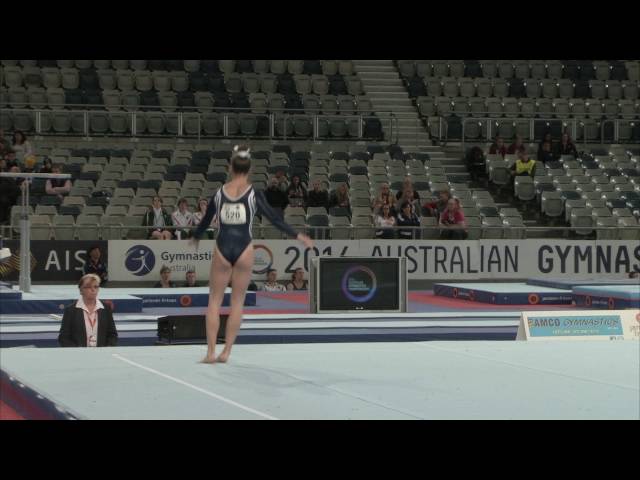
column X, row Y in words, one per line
column 275, row 196
column 317, row 196
column 9, row 193
column 476, row 163
column 545, row 154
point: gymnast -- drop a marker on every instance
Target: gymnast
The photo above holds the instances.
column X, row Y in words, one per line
column 234, row 205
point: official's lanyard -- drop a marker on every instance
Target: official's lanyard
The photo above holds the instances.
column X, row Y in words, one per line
column 93, row 318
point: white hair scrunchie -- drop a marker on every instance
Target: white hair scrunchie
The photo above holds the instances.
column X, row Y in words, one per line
column 242, row 153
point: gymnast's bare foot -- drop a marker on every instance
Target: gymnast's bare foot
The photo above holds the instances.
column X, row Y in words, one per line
column 209, row 359
column 223, row 357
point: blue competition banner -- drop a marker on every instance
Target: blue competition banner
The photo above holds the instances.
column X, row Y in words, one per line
column 166, row 299
column 575, row 326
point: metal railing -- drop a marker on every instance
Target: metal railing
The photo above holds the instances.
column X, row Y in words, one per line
column 430, row 232
column 279, row 121
column 25, row 226
column 415, row 128
column 490, row 124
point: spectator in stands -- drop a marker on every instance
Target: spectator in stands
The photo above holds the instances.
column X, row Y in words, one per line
column 30, row 164
column 436, row 207
column 165, row 278
column 408, row 195
column 634, row 274
column 4, row 144
column 10, row 158
column 476, row 163
column 3, row 164
column 272, row 285
column 567, row 146
column 545, row 153
column 199, row 215
column 407, row 218
column 9, row 194
column 19, row 181
column 87, row 323
column 57, row 186
column 523, row 166
column 275, row 196
column 385, row 222
column 340, row 197
column 95, row 265
column 283, row 183
column 157, row 218
column 182, row 217
column 318, row 196
column 396, row 152
column 547, row 139
column 190, row 278
column 385, row 197
column 297, row 281
column 297, row 193
column 407, row 183
column 498, row 147
column 452, row 221
column 517, row 146
column 21, row 145
column 46, row 166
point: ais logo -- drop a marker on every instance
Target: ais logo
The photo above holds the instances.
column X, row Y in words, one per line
column 139, row 260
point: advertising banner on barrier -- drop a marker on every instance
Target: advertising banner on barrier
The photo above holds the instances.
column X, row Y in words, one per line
column 51, row 260
column 142, row 260
column 580, row 325
column 426, row 260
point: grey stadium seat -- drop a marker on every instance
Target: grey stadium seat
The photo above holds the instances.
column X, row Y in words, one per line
column 111, row 227
column 514, row 227
column 64, row 227
column 582, row 221
column 40, row 227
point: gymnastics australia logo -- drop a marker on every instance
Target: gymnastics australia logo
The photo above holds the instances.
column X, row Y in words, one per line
column 139, row 260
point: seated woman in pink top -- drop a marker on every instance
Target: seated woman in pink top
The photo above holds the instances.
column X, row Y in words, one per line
column 452, row 221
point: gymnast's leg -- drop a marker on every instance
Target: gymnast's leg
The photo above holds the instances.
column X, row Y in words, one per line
column 219, row 276
column 239, row 283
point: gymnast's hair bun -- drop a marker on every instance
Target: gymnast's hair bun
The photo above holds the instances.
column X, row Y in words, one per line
column 242, row 151
column 241, row 159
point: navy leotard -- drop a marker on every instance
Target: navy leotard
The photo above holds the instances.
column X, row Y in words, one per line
column 235, row 219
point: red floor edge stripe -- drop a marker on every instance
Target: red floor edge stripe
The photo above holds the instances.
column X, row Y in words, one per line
column 8, row 413
column 288, row 297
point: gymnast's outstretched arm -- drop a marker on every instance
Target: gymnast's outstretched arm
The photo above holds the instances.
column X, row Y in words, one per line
column 263, row 207
column 267, row 210
column 206, row 220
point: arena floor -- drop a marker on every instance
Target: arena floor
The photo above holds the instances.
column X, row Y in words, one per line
column 408, row 380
